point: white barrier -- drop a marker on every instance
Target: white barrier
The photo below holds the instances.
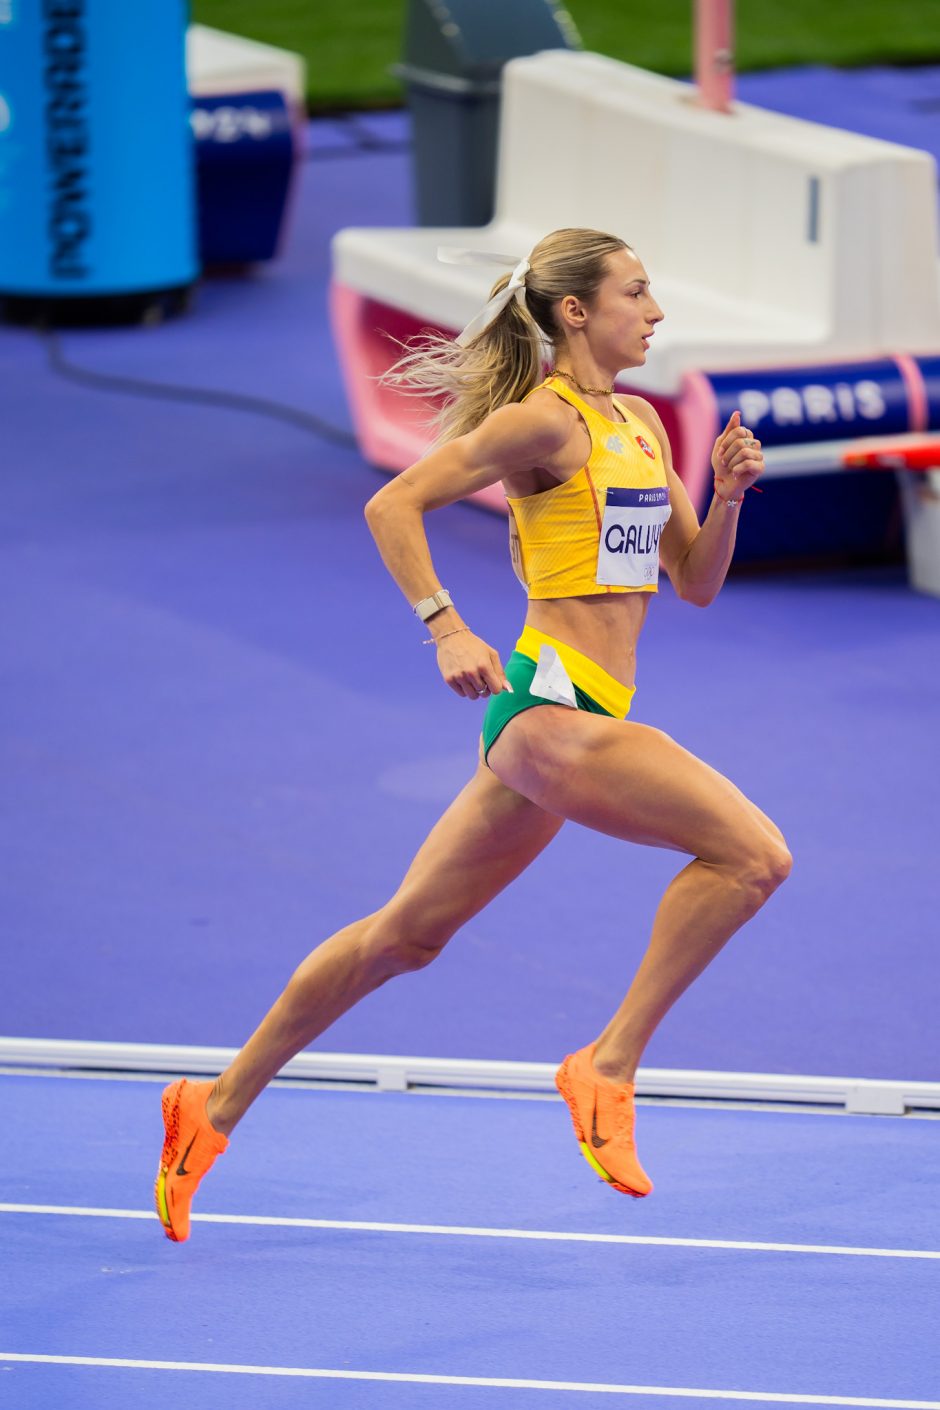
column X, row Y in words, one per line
column 218, row 63
column 768, row 240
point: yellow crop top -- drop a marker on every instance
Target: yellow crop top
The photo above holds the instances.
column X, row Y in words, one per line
column 600, row 530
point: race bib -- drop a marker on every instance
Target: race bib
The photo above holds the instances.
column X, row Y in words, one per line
column 628, row 552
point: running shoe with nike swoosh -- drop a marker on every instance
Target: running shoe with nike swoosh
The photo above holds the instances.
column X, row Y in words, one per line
column 603, row 1116
column 191, row 1144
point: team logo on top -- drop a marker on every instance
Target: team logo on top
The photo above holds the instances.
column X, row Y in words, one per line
column 615, row 444
column 645, row 447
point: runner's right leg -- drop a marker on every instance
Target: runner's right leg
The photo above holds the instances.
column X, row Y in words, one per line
column 633, row 782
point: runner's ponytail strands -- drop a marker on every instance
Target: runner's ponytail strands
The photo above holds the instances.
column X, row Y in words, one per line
column 514, row 289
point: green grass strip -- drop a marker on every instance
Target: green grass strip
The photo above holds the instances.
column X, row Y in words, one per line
column 350, row 44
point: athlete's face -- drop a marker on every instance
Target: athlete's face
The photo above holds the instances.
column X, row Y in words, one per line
column 623, row 314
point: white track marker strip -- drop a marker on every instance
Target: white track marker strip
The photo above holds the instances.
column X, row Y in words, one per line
column 457, row 1231
column 398, row 1073
column 489, row 1381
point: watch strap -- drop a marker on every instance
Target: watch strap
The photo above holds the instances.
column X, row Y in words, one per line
column 428, row 606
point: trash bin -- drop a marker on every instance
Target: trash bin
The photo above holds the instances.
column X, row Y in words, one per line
column 452, row 60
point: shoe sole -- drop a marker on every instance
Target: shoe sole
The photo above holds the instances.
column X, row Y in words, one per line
column 566, row 1090
column 170, row 1106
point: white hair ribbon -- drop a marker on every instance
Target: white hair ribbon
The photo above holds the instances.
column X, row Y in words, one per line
column 514, row 289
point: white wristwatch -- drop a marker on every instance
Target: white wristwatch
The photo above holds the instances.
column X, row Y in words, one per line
column 428, row 606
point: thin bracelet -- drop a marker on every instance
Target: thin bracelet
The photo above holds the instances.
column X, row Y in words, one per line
column 756, row 488
column 728, row 503
column 432, row 639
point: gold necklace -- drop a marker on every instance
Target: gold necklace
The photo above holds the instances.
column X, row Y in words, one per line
column 592, row 391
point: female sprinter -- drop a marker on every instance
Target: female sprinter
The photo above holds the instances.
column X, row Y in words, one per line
column 595, row 507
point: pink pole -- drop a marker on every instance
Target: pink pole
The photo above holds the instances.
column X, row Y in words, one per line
column 714, row 53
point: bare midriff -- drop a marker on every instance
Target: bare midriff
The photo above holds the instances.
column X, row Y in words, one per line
column 604, row 627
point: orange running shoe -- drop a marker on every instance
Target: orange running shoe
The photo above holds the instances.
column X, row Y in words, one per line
column 603, row 1116
column 190, row 1146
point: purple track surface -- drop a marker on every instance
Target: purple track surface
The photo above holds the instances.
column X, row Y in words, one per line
column 771, row 1321
column 221, row 739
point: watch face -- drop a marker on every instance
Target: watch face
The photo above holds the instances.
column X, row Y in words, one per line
column 435, row 603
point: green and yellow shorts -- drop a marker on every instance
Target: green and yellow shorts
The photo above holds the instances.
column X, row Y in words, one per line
column 594, row 689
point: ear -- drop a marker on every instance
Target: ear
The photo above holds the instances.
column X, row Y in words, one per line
column 572, row 311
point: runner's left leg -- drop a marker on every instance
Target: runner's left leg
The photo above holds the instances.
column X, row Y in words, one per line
column 487, row 836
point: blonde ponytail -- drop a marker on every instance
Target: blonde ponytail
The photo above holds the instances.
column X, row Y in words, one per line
column 506, row 360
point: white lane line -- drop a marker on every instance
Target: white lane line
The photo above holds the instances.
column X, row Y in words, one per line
column 318, row 1373
column 473, row 1232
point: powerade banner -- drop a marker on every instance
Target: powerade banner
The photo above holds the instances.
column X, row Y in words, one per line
column 96, row 163
column 789, row 405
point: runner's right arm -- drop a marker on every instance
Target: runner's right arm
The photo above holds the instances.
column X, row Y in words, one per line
column 512, row 438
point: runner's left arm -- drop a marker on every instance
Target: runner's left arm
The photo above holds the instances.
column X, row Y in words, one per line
column 697, row 557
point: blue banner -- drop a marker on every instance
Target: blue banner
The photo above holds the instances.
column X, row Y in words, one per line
column 96, row 153
column 245, row 160
column 786, row 406
column 929, row 368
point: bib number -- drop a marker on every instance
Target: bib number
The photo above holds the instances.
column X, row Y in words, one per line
column 628, row 552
